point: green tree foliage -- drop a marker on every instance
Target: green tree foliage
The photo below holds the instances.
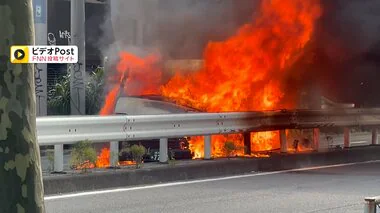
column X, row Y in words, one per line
column 59, row 96
column 94, row 92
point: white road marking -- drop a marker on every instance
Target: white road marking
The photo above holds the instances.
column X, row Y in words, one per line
column 56, row 197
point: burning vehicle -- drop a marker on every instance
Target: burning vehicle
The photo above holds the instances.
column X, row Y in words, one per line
column 265, row 64
column 249, row 71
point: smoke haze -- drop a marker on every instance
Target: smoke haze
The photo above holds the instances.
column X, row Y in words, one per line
column 348, row 36
column 350, row 27
column 342, row 60
column 178, row 28
column 172, row 29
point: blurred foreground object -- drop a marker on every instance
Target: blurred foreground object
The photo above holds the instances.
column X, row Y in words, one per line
column 21, row 187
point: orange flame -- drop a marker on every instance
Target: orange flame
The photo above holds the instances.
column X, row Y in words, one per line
column 126, row 163
column 137, row 76
column 141, row 77
column 299, row 140
column 84, row 165
column 260, row 141
column 103, row 159
column 247, row 72
column 109, row 105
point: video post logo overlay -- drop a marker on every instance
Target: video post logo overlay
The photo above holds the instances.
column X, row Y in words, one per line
column 19, row 54
column 44, row 54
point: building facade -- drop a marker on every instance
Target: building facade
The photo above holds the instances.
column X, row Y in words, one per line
column 58, row 24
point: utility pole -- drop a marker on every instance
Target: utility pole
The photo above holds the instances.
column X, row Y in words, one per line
column 40, row 70
column 21, row 186
column 77, row 71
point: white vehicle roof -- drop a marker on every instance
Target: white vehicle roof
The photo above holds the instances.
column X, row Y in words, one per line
column 148, row 105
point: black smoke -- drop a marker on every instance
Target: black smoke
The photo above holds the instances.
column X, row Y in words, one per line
column 343, row 60
column 349, row 37
column 184, row 27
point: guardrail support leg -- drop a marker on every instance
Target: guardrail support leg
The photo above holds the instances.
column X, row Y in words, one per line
column 114, row 153
column 375, row 139
column 346, row 138
column 316, row 139
column 283, row 143
column 369, row 207
column 247, row 143
column 207, row 147
column 58, row 158
column 163, row 150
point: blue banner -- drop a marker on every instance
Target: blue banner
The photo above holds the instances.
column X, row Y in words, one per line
column 39, row 10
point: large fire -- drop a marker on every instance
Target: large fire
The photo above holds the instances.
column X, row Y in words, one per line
column 244, row 73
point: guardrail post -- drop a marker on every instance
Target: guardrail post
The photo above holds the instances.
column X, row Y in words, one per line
column 370, row 205
column 247, row 143
column 207, row 147
column 163, row 150
column 58, row 158
column 114, row 153
column 375, row 139
column 283, row 142
column 316, row 139
column 346, row 137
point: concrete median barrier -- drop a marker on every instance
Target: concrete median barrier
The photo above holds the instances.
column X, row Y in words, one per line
column 197, row 169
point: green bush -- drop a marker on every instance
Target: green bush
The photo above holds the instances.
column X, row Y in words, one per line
column 83, row 156
column 137, row 152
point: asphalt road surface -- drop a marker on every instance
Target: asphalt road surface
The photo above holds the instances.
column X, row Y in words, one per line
column 334, row 189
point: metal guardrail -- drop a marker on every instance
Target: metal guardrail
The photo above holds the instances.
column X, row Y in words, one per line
column 71, row 129
column 371, row 204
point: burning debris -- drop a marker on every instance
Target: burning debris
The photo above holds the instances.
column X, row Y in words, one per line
column 103, row 160
column 246, row 72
